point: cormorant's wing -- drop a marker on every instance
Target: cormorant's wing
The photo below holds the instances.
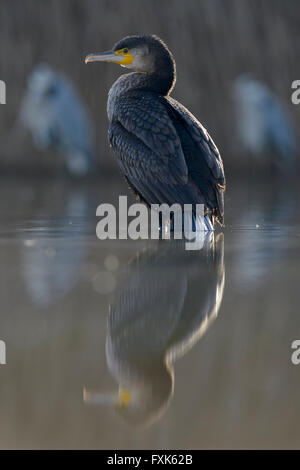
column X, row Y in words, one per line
column 165, row 154
column 207, row 153
column 148, row 145
column 203, row 139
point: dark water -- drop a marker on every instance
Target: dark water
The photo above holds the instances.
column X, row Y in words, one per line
column 142, row 344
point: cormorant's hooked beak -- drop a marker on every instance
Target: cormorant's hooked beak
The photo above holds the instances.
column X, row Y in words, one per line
column 109, row 56
column 119, row 398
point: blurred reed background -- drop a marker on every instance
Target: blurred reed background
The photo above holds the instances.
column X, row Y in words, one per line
column 212, row 41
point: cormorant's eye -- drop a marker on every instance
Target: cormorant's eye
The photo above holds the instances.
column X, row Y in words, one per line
column 125, row 50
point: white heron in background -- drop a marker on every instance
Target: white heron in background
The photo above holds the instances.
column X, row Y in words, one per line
column 57, row 119
column 264, row 129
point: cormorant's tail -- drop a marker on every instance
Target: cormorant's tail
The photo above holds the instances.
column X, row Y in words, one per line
column 197, row 223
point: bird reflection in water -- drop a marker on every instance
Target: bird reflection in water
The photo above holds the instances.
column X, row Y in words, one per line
column 168, row 301
column 271, row 212
column 52, row 258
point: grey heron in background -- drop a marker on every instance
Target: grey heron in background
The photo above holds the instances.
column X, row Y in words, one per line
column 168, row 301
column 58, row 120
column 163, row 151
column 264, row 129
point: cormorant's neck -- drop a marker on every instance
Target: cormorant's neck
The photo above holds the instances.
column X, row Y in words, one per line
column 161, row 84
column 161, row 81
column 163, row 77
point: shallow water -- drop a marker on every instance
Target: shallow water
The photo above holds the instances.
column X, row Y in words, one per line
column 199, row 343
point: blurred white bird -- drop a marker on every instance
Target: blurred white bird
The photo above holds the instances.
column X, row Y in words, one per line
column 57, row 119
column 264, row 129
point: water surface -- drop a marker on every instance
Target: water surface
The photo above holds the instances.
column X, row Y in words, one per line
column 141, row 344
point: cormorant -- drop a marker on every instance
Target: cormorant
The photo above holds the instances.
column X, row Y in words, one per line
column 163, row 151
column 57, row 119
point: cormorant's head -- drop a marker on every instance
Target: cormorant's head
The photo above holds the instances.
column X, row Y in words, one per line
column 144, row 400
column 148, row 54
